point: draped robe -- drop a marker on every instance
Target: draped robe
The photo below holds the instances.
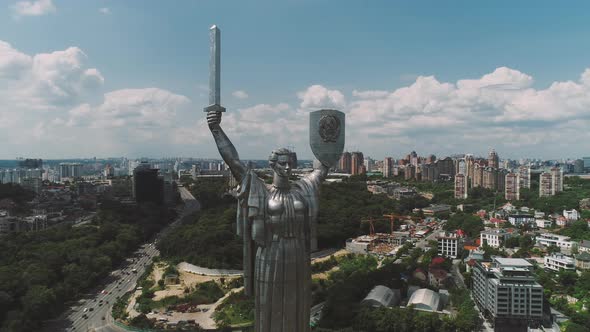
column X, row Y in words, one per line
column 279, row 226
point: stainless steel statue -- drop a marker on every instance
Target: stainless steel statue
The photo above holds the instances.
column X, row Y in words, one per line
column 278, row 222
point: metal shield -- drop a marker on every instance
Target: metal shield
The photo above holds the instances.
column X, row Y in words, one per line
column 326, row 135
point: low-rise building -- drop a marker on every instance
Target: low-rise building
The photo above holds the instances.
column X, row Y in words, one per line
column 425, row 299
column 583, row 261
column 562, row 221
column 449, row 244
column 438, row 209
column 521, row 219
column 359, row 245
column 382, row 296
column 558, row 262
column 494, row 237
column 584, row 246
column 438, row 277
column 404, row 192
column 543, row 223
column 547, row 239
column 571, row 215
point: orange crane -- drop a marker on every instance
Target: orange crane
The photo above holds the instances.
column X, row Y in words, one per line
column 371, row 225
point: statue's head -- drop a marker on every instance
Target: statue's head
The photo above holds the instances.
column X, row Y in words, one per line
column 281, row 161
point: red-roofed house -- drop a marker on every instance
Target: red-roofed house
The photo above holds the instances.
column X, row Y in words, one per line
column 438, row 277
column 561, row 221
column 437, row 261
column 420, row 274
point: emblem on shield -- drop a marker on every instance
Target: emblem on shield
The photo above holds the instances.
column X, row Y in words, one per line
column 329, row 128
column 326, row 135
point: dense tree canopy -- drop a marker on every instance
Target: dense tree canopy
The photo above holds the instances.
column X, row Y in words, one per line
column 41, row 271
column 342, row 206
column 470, row 224
column 209, row 240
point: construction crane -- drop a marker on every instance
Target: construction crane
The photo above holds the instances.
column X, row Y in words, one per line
column 371, row 225
column 391, row 217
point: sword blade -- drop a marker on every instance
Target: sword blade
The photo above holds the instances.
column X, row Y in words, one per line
column 215, row 66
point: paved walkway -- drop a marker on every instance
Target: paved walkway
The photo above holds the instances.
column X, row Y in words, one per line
column 205, row 271
column 204, row 319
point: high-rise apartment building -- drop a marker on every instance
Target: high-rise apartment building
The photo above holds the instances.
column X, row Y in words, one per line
column 446, row 167
column 493, row 159
column 388, row 167
column 477, row 180
column 501, row 179
column 545, row 185
column 345, row 163
column 414, row 158
column 489, row 178
column 469, row 163
column 505, row 289
column 356, row 163
column 409, row 172
column 147, row 185
column 512, row 191
column 551, row 183
column 369, row 164
column 461, row 166
column 70, row 170
column 460, row 186
column 579, row 166
column 524, row 176
column 430, row 159
column 556, row 180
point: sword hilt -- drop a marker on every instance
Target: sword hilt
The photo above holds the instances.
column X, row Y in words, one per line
column 214, row 108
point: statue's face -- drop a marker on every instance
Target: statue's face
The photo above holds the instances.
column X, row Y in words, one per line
column 283, row 166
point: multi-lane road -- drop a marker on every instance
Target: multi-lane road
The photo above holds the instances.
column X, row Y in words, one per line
column 93, row 312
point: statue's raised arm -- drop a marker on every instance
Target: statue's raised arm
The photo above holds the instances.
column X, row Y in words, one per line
column 225, row 146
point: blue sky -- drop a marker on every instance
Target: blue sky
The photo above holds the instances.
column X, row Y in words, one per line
column 393, row 67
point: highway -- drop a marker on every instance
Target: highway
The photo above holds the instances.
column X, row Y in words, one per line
column 93, row 312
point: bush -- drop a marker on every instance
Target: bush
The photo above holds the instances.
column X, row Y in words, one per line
column 235, row 309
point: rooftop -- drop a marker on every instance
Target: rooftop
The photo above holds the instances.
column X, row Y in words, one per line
column 512, row 262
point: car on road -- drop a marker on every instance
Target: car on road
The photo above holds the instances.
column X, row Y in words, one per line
column 85, row 309
column 91, row 309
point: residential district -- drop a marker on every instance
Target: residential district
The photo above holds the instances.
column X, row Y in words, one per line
column 468, row 228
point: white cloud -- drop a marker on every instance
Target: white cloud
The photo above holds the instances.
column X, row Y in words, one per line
column 318, row 96
column 46, row 80
column 369, row 94
column 33, row 8
column 12, row 62
column 150, row 108
column 500, row 108
column 105, row 10
column 58, row 98
column 240, row 94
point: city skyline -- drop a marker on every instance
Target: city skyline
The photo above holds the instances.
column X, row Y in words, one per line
column 131, row 80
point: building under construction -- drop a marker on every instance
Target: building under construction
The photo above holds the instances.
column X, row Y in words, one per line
column 378, row 243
